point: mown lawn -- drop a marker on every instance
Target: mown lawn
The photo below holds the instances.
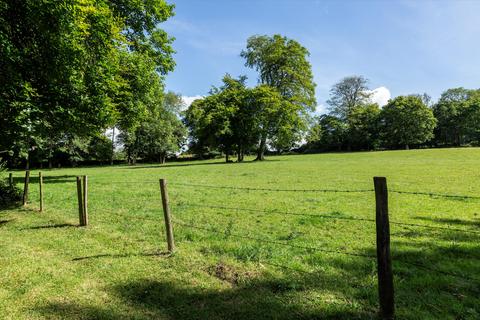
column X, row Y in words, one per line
column 117, row 267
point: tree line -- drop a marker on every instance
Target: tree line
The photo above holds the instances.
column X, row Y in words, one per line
column 69, row 70
column 355, row 123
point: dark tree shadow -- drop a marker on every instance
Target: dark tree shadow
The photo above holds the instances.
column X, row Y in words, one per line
column 154, row 299
column 46, row 179
column 124, row 255
column 449, row 221
column 4, row 222
column 175, row 165
column 51, row 226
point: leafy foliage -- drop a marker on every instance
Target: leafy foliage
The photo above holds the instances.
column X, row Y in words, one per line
column 76, row 68
column 407, row 120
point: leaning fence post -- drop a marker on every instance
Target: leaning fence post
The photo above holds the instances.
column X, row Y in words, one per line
column 385, row 275
column 25, row 187
column 80, row 200
column 166, row 213
column 85, row 201
column 40, row 185
column 10, row 179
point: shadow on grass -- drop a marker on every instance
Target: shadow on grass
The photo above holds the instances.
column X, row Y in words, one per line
column 51, row 226
column 174, row 165
column 124, row 255
column 449, row 221
column 4, row 222
column 46, row 179
column 153, row 299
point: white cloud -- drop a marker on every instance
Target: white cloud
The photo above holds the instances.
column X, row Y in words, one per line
column 380, row 96
column 188, row 100
column 320, row 109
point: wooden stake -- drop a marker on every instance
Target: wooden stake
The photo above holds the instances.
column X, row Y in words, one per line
column 80, row 200
column 385, row 275
column 40, row 185
column 25, row 187
column 85, row 201
column 166, row 213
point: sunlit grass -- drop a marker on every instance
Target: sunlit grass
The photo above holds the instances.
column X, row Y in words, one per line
column 117, row 266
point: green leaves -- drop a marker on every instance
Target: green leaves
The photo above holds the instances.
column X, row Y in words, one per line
column 77, row 67
column 407, row 120
column 282, row 64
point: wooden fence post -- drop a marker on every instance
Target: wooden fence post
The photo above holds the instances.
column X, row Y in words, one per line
column 10, row 179
column 166, row 213
column 40, row 185
column 25, row 187
column 384, row 262
column 80, row 200
column 85, row 201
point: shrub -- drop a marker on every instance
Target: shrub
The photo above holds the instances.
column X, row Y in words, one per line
column 10, row 195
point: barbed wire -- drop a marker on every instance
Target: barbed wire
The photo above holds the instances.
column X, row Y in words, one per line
column 235, row 235
column 325, row 216
column 268, row 189
column 422, row 266
column 308, row 248
column 433, row 194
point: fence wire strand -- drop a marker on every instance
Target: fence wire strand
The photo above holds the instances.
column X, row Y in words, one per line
column 323, row 216
column 269, row 189
column 239, row 236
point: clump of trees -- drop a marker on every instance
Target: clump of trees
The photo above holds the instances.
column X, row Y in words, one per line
column 236, row 119
column 162, row 133
column 70, row 70
column 355, row 123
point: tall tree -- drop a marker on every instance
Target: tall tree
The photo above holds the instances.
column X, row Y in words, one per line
column 160, row 134
column 347, row 94
column 282, row 64
column 220, row 120
column 406, row 120
column 451, row 111
column 75, row 67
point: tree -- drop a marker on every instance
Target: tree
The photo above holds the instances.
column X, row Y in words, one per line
column 221, row 120
column 451, row 111
column 162, row 133
column 347, row 94
column 406, row 120
column 75, row 68
column 363, row 127
column 282, row 64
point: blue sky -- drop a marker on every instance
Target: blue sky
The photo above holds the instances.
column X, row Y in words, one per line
column 403, row 46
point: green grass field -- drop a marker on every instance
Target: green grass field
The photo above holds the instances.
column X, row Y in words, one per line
column 117, row 267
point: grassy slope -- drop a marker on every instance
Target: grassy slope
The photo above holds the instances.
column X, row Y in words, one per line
column 114, row 269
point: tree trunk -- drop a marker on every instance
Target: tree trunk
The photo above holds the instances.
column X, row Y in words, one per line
column 240, row 154
column 113, row 146
column 50, row 164
column 27, row 164
column 407, row 147
column 261, row 149
column 162, row 158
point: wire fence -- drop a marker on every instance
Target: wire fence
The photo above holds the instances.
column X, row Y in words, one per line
column 227, row 233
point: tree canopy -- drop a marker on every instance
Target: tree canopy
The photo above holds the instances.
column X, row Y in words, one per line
column 75, row 68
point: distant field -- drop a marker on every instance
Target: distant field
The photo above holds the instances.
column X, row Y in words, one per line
column 116, row 267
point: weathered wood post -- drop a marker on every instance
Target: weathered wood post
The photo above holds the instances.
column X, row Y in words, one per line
column 10, row 179
column 85, row 201
column 384, row 262
column 25, row 187
column 80, row 200
column 40, row 185
column 166, row 213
